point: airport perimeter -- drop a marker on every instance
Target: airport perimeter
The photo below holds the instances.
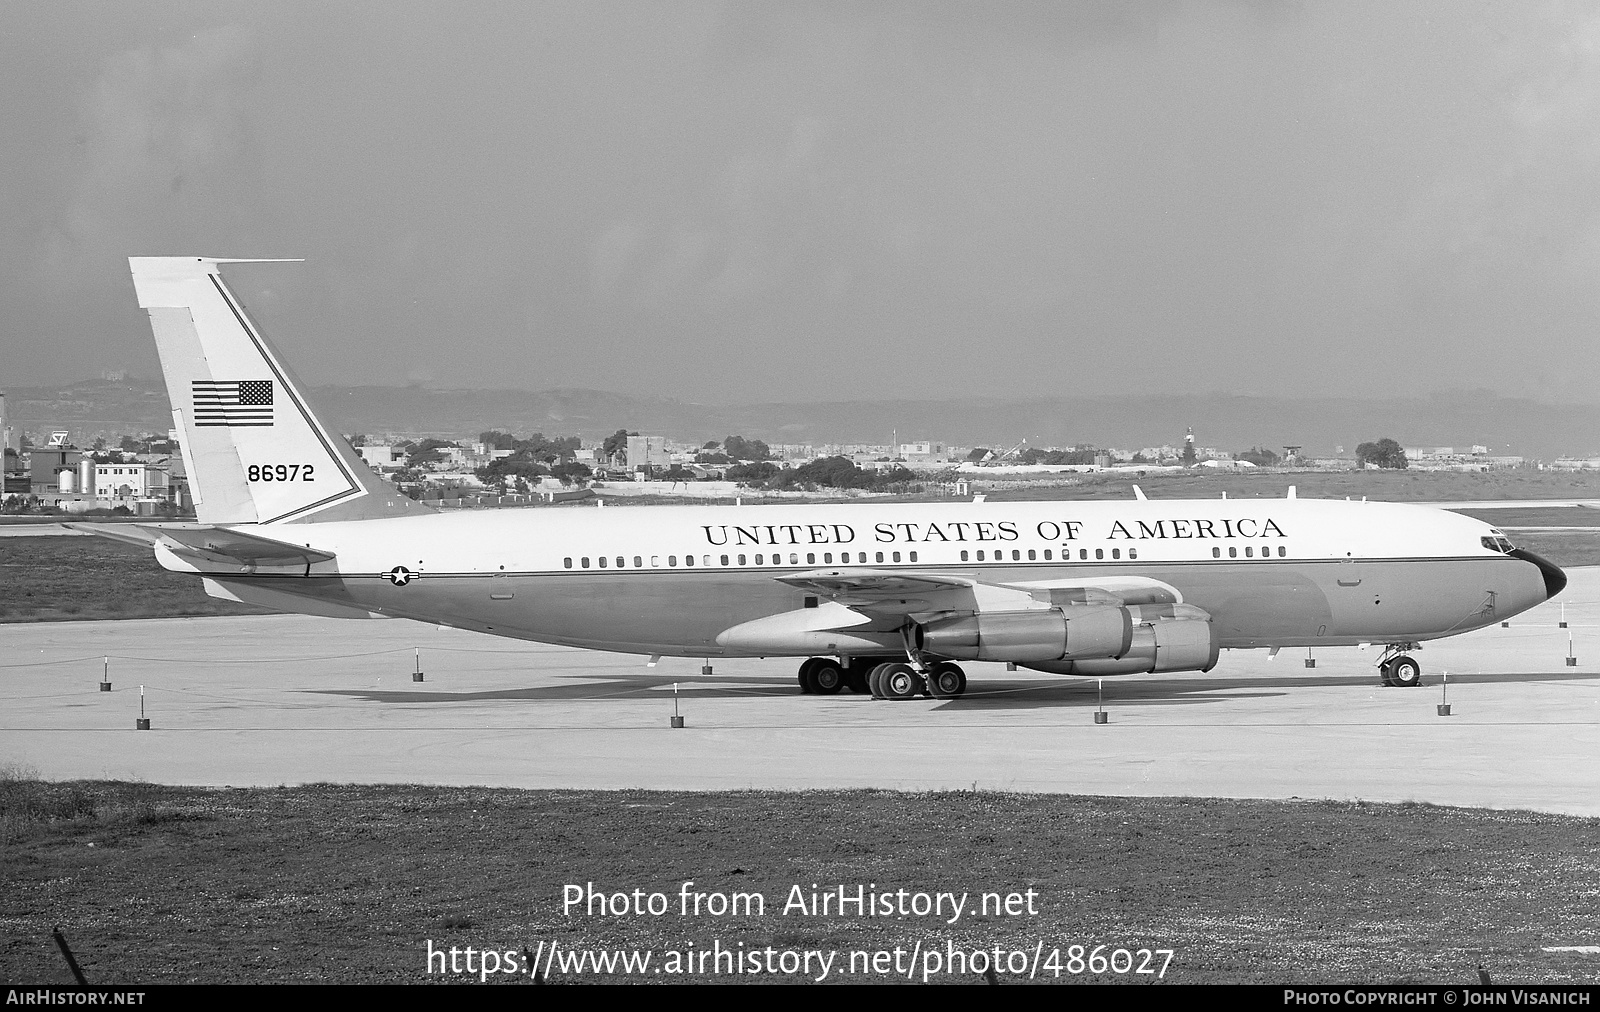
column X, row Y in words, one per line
column 293, row 699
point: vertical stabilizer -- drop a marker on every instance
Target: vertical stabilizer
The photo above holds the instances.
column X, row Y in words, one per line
column 254, row 449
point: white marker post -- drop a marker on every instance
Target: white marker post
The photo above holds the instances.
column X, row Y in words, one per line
column 143, row 723
column 1444, row 696
column 1100, row 701
column 416, row 676
column 105, row 675
column 677, row 720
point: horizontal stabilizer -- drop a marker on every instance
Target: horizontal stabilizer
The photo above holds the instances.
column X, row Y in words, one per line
column 252, row 592
column 207, row 540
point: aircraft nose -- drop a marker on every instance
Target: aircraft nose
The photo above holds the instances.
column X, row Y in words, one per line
column 1555, row 580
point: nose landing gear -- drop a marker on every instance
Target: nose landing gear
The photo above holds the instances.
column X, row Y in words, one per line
column 1399, row 670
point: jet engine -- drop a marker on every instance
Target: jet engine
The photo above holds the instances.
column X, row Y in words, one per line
column 1043, row 635
column 1175, row 644
column 1081, row 640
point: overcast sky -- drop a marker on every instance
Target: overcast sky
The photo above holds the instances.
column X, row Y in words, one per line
column 806, row 201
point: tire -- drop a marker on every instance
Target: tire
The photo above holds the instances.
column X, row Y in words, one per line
column 948, row 681
column 827, row 678
column 1405, row 672
column 859, row 672
column 899, row 681
column 808, row 684
column 875, row 681
column 1386, row 671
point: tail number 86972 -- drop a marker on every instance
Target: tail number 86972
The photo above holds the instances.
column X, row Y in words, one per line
column 279, row 472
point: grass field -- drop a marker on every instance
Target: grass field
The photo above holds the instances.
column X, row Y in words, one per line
column 54, row 578
column 1389, row 486
column 344, row 884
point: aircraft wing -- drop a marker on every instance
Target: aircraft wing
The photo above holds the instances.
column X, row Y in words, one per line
column 879, row 591
column 872, row 584
column 210, row 542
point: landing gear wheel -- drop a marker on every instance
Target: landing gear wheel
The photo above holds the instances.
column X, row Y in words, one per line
column 808, row 683
column 855, row 678
column 827, row 678
column 899, row 681
column 948, row 681
column 875, row 681
column 1386, row 669
column 1405, row 672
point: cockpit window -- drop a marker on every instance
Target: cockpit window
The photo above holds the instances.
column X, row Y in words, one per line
column 1496, row 542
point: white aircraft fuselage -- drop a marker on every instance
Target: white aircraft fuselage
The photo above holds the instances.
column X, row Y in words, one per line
column 673, row 579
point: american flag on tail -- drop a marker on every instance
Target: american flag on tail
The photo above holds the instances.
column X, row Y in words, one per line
column 232, row 402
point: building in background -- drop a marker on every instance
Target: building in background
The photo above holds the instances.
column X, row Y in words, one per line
column 646, row 453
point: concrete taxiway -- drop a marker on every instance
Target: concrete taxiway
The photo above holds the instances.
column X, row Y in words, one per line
column 291, row 699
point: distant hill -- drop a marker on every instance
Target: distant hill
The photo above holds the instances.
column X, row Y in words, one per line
column 1505, row 425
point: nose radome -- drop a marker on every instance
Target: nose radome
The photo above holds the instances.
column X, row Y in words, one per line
column 1555, row 580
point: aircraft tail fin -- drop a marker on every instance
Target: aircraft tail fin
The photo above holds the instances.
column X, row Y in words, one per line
column 254, row 450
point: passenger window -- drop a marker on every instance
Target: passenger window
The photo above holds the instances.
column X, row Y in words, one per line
column 688, row 560
column 1047, row 555
column 585, row 562
column 724, row 560
column 897, row 556
column 1233, row 553
column 567, row 562
column 1116, row 553
column 637, row 561
column 1249, row 552
column 913, row 556
column 1083, row 553
column 1216, row 553
column 880, row 556
column 1133, row 553
column 672, row 560
column 963, row 555
column 827, row 558
column 1016, row 556
column 705, row 560
column 1031, row 555
column 980, row 555
column 811, row 558
column 794, row 559
column 1282, row 552
column 655, row 561
column 1099, row 553
column 861, row 557
column 602, row 562
column 741, row 560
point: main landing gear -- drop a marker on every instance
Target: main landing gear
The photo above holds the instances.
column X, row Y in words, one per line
column 1397, row 668
column 823, row 676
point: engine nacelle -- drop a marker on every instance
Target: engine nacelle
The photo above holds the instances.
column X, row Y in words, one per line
column 1178, row 644
column 1045, row 635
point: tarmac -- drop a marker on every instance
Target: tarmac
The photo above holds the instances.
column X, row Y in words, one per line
column 287, row 699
